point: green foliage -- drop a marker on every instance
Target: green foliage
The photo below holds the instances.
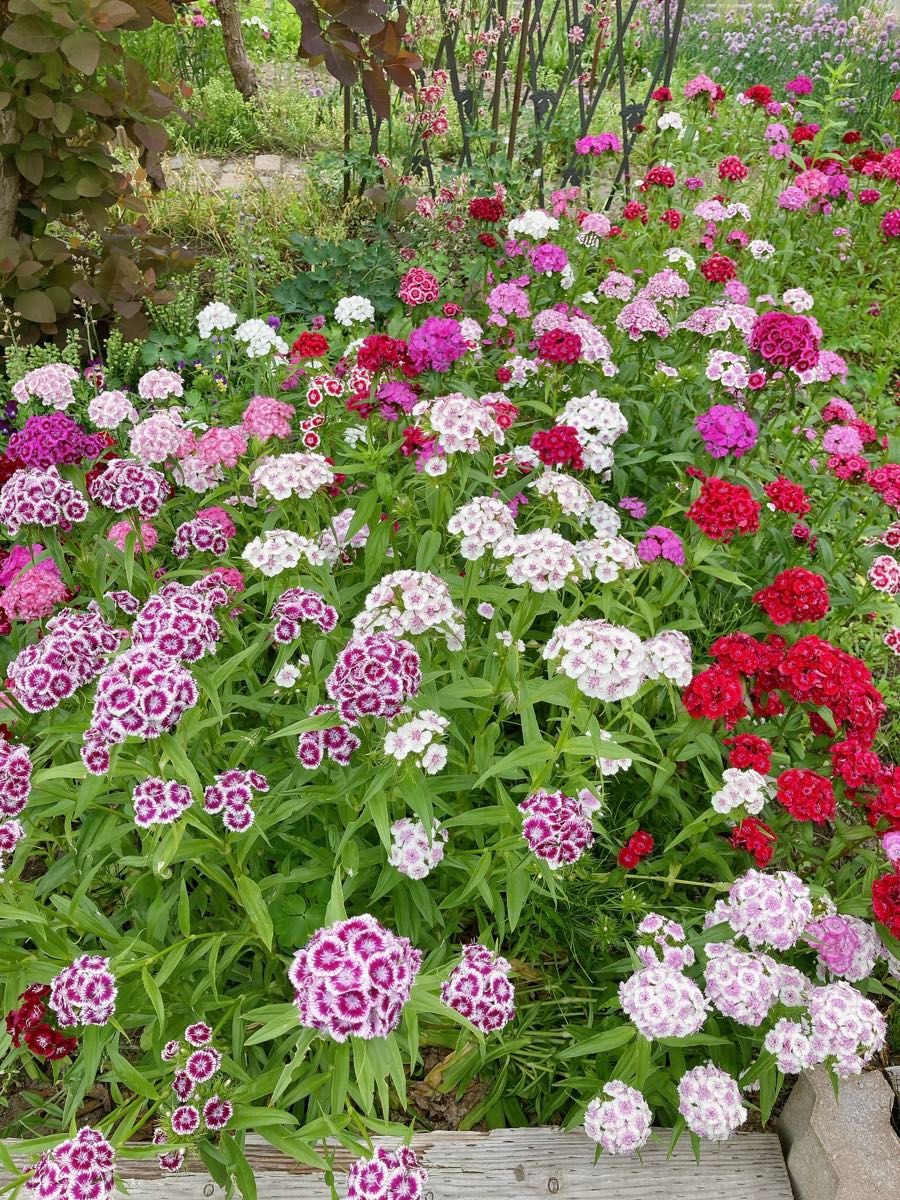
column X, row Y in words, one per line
column 316, row 288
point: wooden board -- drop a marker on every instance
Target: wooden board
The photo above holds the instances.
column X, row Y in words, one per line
column 513, row 1164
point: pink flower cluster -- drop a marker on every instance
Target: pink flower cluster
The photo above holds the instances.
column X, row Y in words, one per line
column 296, row 606
column 418, row 286
column 769, row 910
column 208, row 533
column 178, row 620
column 412, row 852
column 159, row 802
column 73, row 651
column 51, row 384
column 80, row 1168
column 11, row 833
column 374, row 676
column 84, row 993
column 124, row 484
column 725, row 430
column 619, row 1119
column 353, row 978
column 557, row 827
column 231, row 795
column 387, row 1175
column 786, row 340
column 160, row 384
column 40, row 497
column 284, row 475
column 741, row 985
column 478, row 988
column 265, row 417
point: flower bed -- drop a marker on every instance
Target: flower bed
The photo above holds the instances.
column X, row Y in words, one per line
column 490, row 699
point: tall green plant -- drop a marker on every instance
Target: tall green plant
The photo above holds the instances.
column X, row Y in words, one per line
column 66, row 90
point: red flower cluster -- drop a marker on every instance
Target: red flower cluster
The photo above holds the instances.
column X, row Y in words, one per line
column 732, row 168
column 787, row 496
column 886, row 482
column 759, row 93
column 28, row 1023
column 815, row 672
column 309, row 345
column 558, row 447
column 660, row 175
column 379, row 352
column 757, row 838
column 672, row 217
column 804, row 133
column 635, row 211
column 806, row 795
column 486, row 208
column 559, row 346
column 638, row 846
column 785, row 340
column 794, row 596
column 886, row 902
column 661, row 95
column 714, row 693
column 857, row 765
column 724, row 509
column 505, row 413
column 718, row 268
column 885, row 805
column 749, row 753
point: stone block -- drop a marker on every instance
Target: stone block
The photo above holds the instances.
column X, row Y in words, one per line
column 844, row 1148
column 267, row 164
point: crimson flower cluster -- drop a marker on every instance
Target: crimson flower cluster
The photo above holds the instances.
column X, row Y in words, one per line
column 638, row 846
column 794, row 596
column 806, row 795
column 785, row 340
column 29, row 1025
column 559, row 447
column 724, row 509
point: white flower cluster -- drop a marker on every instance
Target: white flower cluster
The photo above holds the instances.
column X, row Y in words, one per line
column 278, row 550
column 412, row 853
column 842, row 1028
column 741, row 984
column 611, row 766
column 460, row 423
column 606, row 558
column 259, row 339
column 742, row 789
column 619, row 1119
column 662, row 1002
column 769, row 910
column 573, row 497
column 335, row 540
column 419, row 737
column 709, row 1099
column 411, row 602
column 543, row 559
column 609, row 662
column 353, row 310
column 215, row 318
column 283, row 475
column 797, row 299
column 760, row 250
column 533, row 223
column 600, row 423
column 480, row 524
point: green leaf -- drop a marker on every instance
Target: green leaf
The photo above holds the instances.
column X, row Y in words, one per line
column 251, row 896
column 82, row 49
column 610, row 1039
column 36, row 306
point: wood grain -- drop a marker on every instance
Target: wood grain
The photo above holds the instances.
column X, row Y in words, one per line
column 513, row 1164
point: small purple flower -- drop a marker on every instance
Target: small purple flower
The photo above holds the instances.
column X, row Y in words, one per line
column 635, row 506
column 726, row 430
column 661, row 542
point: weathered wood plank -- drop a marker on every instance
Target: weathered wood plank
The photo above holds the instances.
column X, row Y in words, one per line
column 514, row 1165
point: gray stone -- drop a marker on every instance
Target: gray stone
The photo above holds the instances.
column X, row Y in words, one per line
column 209, row 166
column 267, row 164
column 175, row 163
column 231, row 181
column 844, row 1148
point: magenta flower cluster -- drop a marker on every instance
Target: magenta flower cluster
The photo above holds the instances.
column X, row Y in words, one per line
column 84, row 993
column 436, row 344
column 80, row 1168
column 15, row 778
column 124, row 485
column 387, row 1175
column 478, row 988
column 338, row 741
column 209, row 532
column 72, row 653
column 374, row 676
column 726, row 429
column 353, row 978
column 297, row 605
column 159, row 802
column 178, row 620
column 200, row 1109
column 40, row 497
column 557, row 827
column 661, row 542
column 51, row 438
column 231, row 795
